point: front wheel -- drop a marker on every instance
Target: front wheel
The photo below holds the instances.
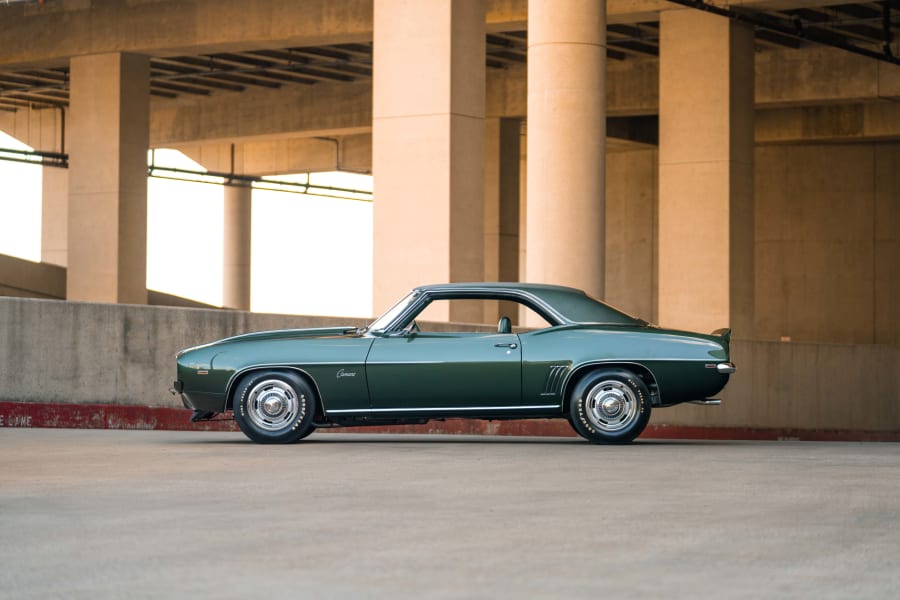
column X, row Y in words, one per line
column 610, row 406
column 274, row 407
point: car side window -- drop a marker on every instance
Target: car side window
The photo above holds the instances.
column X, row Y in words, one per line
column 484, row 315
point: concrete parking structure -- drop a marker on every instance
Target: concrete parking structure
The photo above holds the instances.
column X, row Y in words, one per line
column 104, row 514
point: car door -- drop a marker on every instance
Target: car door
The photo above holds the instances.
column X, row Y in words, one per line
column 437, row 370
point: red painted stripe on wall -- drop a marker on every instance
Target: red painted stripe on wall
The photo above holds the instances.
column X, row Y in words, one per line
column 103, row 416
column 117, row 416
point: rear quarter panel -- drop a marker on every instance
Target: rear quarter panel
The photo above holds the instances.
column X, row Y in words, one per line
column 677, row 360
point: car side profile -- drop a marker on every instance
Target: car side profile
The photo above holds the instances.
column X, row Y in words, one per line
column 587, row 362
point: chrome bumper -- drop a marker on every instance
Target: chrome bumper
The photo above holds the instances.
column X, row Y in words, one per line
column 707, row 402
column 726, row 368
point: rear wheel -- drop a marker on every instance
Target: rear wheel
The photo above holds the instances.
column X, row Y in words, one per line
column 274, row 407
column 610, row 406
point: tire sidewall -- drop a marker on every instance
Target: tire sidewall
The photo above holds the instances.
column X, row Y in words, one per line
column 300, row 427
column 579, row 399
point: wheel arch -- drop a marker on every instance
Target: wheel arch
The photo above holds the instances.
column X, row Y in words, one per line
column 307, row 378
column 582, row 370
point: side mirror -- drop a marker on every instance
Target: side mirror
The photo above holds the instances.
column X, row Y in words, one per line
column 409, row 331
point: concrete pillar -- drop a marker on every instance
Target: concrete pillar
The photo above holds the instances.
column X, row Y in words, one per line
column 236, row 251
column 501, row 209
column 54, row 215
column 566, row 143
column 428, row 146
column 109, row 126
column 705, row 247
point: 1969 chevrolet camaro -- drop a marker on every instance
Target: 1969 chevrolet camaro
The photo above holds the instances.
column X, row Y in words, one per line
column 597, row 367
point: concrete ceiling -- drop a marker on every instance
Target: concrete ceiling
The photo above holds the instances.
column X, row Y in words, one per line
column 868, row 26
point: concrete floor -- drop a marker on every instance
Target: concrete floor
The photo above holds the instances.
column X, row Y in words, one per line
column 156, row 514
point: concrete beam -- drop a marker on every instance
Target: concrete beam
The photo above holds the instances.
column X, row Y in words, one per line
column 784, row 78
column 871, row 121
column 319, row 110
column 293, row 155
column 820, row 75
column 49, row 34
column 52, row 33
column 39, row 129
column 327, row 110
column 632, row 88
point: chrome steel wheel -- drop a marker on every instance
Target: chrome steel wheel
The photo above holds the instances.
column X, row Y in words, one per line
column 272, row 405
column 612, row 406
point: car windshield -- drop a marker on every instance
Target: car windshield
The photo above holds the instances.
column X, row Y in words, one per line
column 381, row 323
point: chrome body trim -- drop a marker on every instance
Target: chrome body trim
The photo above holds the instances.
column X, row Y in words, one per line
column 426, row 296
column 441, row 409
column 593, row 363
column 237, row 374
column 706, row 402
column 406, row 362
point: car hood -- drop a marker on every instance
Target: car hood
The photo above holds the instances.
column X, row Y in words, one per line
column 291, row 334
column 277, row 334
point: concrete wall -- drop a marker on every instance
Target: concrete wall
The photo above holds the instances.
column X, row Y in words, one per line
column 828, row 243
column 631, row 201
column 827, row 247
column 26, row 279
column 804, row 386
column 85, row 353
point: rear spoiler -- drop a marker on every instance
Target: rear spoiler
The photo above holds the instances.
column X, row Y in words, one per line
column 725, row 334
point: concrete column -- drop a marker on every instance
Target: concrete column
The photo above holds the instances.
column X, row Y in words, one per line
column 705, row 173
column 236, row 252
column 501, row 209
column 54, row 189
column 566, row 143
column 54, row 215
column 428, row 146
column 109, row 126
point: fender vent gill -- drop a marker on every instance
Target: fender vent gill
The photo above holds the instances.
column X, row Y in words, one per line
column 554, row 380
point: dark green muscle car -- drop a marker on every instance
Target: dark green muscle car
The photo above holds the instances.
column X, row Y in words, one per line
column 579, row 359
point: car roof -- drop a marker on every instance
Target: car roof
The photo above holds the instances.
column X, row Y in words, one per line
column 474, row 286
column 564, row 304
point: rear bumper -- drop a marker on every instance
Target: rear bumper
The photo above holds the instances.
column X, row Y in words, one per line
column 726, row 368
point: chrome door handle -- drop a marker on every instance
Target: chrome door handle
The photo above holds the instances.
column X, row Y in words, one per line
column 513, row 346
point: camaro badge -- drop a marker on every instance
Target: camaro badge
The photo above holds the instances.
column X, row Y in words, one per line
column 343, row 373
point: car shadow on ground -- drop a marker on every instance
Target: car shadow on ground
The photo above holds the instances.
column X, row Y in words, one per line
column 417, row 438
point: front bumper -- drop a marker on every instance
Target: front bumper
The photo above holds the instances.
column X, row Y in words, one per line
column 198, row 400
column 177, row 389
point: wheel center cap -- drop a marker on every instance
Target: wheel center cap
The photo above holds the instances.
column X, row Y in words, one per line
column 611, row 406
column 272, row 405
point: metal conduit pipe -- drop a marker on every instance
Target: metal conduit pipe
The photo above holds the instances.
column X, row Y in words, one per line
column 796, row 28
column 61, row 160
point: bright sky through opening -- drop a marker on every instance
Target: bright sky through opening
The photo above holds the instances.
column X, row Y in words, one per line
column 311, row 255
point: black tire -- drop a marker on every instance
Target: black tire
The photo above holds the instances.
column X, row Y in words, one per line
column 609, row 406
column 274, row 407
